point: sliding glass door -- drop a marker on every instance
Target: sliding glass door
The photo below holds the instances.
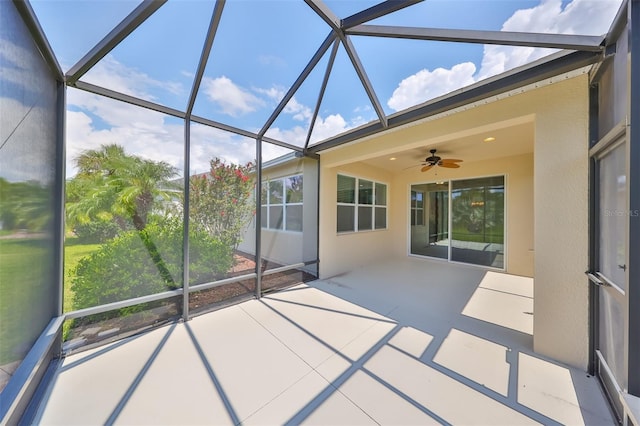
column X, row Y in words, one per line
column 477, row 216
column 460, row 220
column 430, row 220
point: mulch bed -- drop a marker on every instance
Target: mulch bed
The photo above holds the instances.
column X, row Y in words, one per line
column 88, row 332
column 244, row 264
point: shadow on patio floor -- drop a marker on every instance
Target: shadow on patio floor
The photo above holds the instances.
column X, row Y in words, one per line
column 406, row 342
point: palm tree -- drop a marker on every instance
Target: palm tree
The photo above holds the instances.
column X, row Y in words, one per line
column 111, row 185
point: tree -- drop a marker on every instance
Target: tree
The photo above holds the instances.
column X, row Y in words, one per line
column 25, row 205
column 112, row 185
column 221, row 202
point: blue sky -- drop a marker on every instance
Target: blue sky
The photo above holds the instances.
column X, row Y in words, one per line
column 260, row 49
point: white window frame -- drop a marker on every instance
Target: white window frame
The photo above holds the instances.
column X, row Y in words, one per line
column 357, row 205
column 266, row 202
column 417, row 212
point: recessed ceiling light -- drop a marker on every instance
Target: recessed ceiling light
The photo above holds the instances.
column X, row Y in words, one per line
column 489, row 139
column 393, row 158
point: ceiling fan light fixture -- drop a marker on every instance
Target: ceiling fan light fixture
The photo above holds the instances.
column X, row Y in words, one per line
column 434, row 160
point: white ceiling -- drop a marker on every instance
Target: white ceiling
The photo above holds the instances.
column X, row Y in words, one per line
column 509, row 141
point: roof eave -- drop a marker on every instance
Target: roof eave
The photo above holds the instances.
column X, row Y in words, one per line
column 550, row 66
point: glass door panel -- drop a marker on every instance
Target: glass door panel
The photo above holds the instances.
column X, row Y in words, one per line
column 430, row 220
column 613, row 217
column 477, row 216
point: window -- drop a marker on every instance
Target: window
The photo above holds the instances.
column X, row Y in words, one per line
column 417, row 208
column 282, row 204
column 362, row 204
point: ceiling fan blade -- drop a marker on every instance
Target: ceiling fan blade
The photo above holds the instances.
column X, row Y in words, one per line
column 449, row 165
column 426, row 168
column 450, row 160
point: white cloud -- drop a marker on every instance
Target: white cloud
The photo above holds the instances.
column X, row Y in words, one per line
column 148, row 134
column 95, row 120
column 232, row 99
column 299, row 111
column 323, row 128
column 427, row 84
column 294, row 108
column 333, row 124
column 112, row 74
column 585, row 17
column 208, row 143
column 295, row 135
column 274, row 93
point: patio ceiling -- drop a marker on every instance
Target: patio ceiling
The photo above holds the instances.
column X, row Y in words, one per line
column 510, row 140
column 348, row 30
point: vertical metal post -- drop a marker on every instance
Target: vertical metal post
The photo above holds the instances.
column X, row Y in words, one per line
column 204, row 57
column 258, row 255
column 633, row 253
column 318, row 218
column 185, row 220
column 449, row 220
column 59, row 194
column 594, row 202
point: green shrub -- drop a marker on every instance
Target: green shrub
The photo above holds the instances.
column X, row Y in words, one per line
column 139, row 263
column 96, row 231
column 221, row 202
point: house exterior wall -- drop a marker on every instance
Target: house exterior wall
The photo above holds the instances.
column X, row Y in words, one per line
column 558, row 215
column 561, row 185
column 343, row 252
column 289, row 247
column 518, row 172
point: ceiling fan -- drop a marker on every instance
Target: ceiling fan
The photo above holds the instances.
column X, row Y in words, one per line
column 435, row 160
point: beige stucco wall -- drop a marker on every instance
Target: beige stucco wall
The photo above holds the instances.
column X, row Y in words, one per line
column 343, row 252
column 289, row 247
column 518, row 172
column 561, row 186
column 559, row 113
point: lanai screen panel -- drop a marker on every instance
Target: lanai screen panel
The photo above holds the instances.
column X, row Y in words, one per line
column 157, row 61
column 288, row 220
column 28, row 131
column 73, row 27
column 124, row 203
column 255, row 60
column 222, row 185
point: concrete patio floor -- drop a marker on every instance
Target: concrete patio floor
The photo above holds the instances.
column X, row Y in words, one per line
column 404, row 342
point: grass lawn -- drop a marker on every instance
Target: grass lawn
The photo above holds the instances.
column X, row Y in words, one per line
column 25, row 288
column 491, row 235
column 73, row 252
column 25, row 284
